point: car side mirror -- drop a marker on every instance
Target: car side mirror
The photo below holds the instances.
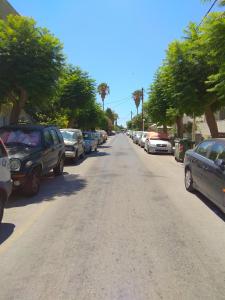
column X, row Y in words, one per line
column 220, row 163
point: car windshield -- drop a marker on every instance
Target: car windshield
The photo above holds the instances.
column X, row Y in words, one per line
column 87, row 135
column 31, row 138
column 69, row 135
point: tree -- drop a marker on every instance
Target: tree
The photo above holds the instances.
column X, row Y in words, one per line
column 137, row 98
column 103, row 90
column 31, row 61
column 221, row 2
column 76, row 92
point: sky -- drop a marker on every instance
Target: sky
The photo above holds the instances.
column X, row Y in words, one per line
column 121, row 42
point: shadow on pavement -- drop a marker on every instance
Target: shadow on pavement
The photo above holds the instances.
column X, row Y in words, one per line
column 104, row 147
column 98, row 154
column 6, row 230
column 51, row 187
column 211, row 205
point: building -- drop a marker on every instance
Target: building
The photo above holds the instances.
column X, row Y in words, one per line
column 6, row 9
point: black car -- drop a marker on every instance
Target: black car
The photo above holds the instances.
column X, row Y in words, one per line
column 33, row 151
column 205, row 170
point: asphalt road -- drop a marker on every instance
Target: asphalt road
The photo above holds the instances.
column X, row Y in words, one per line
column 117, row 226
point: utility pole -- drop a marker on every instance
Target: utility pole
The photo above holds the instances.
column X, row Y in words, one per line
column 142, row 112
column 131, row 118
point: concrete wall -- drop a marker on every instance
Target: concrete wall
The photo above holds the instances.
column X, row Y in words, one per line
column 6, row 9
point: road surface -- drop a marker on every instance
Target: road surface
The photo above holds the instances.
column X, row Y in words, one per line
column 117, row 226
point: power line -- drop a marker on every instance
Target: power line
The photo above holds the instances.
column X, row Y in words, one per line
column 207, row 12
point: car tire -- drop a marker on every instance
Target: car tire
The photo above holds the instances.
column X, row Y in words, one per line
column 2, row 206
column 58, row 170
column 32, row 186
column 188, row 180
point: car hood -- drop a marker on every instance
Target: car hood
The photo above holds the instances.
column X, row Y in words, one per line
column 21, row 152
column 70, row 143
column 160, row 142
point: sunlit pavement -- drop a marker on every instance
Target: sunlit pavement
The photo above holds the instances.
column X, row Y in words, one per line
column 117, row 225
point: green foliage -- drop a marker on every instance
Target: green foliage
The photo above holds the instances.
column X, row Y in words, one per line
column 31, row 60
column 103, row 90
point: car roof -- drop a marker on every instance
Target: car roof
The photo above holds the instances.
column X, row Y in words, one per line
column 69, row 129
column 27, row 126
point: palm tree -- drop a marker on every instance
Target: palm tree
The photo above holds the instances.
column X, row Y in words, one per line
column 137, row 98
column 220, row 2
column 103, row 90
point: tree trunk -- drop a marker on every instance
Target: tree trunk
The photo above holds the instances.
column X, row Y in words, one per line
column 211, row 121
column 71, row 123
column 180, row 126
column 165, row 130
column 137, row 110
column 18, row 106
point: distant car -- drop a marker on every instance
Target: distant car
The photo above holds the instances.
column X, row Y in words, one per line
column 33, row 150
column 205, row 170
column 74, row 143
column 90, row 141
column 142, row 139
column 5, row 178
column 158, row 143
column 99, row 136
column 136, row 136
column 104, row 135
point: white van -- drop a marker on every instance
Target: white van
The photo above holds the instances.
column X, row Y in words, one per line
column 5, row 178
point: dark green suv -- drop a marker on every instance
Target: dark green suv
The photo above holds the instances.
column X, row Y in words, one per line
column 33, row 151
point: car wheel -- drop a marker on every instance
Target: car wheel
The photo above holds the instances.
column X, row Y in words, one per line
column 33, row 184
column 2, row 206
column 58, row 170
column 189, row 181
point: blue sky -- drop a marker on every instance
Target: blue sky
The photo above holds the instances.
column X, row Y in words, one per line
column 121, row 42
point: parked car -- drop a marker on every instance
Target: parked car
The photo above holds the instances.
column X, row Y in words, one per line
column 142, row 139
column 136, row 136
column 90, row 141
column 205, row 170
column 104, row 135
column 158, row 143
column 5, row 178
column 99, row 136
column 74, row 143
column 33, row 151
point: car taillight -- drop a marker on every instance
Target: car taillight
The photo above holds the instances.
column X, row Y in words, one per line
column 181, row 148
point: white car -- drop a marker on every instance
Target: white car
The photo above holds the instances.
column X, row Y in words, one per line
column 5, row 178
column 143, row 139
column 158, row 143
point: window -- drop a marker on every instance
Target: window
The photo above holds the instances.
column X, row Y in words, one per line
column 48, row 138
column 217, row 152
column 55, row 137
column 204, row 148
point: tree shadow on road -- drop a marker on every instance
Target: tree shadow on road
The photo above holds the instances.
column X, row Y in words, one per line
column 211, row 205
column 98, row 154
column 6, row 230
column 51, row 187
column 104, row 147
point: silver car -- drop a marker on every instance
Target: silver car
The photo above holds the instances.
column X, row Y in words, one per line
column 136, row 136
column 5, row 179
column 74, row 143
column 90, row 141
column 142, row 139
column 157, row 145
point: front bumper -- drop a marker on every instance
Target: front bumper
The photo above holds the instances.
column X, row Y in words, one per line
column 70, row 154
column 19, row 179
column 160, row 150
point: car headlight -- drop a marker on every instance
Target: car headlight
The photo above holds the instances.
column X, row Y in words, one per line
column 29, row 163
column 15, row 164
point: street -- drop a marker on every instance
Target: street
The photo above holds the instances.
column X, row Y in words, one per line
column 118, row 225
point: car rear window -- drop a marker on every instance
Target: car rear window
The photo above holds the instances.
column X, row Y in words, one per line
column 21, row 136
